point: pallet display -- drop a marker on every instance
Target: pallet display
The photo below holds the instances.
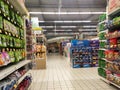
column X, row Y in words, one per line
column 82, row 54
column 12, row 43
column 109, row 67
column 40, row 52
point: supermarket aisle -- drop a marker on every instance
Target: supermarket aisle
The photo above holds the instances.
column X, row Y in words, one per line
column 60, row 76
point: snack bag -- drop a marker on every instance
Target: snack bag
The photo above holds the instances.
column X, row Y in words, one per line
column 113, row 43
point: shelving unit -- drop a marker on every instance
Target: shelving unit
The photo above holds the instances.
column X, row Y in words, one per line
column 40, row 51
column 21, row 79
column 83, row 54
column 109, row 61
column 109, row 82
column 12, row 40
column 10, row 69
column 18, row 6
column 29, row 40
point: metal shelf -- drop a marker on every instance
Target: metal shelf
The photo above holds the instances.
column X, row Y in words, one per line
column 103, row 31
column 109, row 61
column 117, row 10
column 109, row 82
column 21, row 78
column 18, row 6
column 102, row 49
column 103, row 40
column 102, row 22
column 10, row 69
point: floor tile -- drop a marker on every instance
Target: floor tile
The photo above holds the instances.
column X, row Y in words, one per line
column 60, row 76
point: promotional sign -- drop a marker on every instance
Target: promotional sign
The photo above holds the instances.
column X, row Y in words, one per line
column 35, row 23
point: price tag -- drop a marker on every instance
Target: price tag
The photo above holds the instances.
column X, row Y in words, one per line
column 6, row 33
column 8, row 18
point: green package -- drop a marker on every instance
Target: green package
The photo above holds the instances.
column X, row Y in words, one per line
column 16, row 56
column 6, row 10
column 22, row 44
column 12, row 57
column 1, row 22
column 102, row 44
column 0, row 40
column 11, row 41
column 102, row 17
column 18, row 31
column 101, row 54
column 7, row 41
column 102, row 36
column 12, row 15
column 116, row 21
column 101, row 27
column 21, row 33
column 2, row 6
column 4, row 40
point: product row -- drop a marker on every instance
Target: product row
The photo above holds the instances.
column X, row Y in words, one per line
column 11, row 81
column 112, row 25
column 10, row 29
column 111, row 55
column 11, row 56
column 84, row 56
column 110, row 76
column 8, row 41
column 110, row 44
column 8, row 12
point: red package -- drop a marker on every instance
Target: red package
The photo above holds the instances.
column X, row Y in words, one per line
column 109, row 54
column 113, row 43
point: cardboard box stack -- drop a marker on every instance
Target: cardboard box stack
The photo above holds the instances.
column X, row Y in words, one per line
column 40, row 60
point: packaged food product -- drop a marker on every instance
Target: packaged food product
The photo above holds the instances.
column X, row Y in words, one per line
column 113, row 43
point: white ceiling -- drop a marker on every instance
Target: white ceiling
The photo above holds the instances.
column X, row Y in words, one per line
column 66, row 6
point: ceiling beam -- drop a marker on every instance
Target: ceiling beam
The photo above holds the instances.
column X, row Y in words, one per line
column 29, row 5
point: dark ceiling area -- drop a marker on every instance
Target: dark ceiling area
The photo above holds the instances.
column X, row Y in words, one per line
column 66, row 17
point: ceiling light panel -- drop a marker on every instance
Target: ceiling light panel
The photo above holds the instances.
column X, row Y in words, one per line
column 65, row 13
column 87, row 30
column 47, row 26
column 68, row 26
column 89, row 26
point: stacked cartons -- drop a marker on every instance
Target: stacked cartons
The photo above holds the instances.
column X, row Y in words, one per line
column 40, row 61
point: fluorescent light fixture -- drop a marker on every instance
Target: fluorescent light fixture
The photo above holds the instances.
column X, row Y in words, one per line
column 58, row 21
column 68, row 26
column 63, row 30
column 61, row 33
column 81, row 21
column 89, row 26
column 41, row 21
column 44, row 30
column 65, row 13
column 47, row 26
column 87, row 30
column 84, row 21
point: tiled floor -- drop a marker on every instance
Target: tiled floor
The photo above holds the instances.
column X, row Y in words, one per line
column 60, row 76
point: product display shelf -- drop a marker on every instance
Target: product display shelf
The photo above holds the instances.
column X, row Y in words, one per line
column 109, row 67
column 102, row 49
column 83, row 53
column 103, row 22
column 113, row 62
column 109, row 82
column 10, row 69
column 22, row 78
column 103, row 31
column 115, row 11
column 19, row 6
